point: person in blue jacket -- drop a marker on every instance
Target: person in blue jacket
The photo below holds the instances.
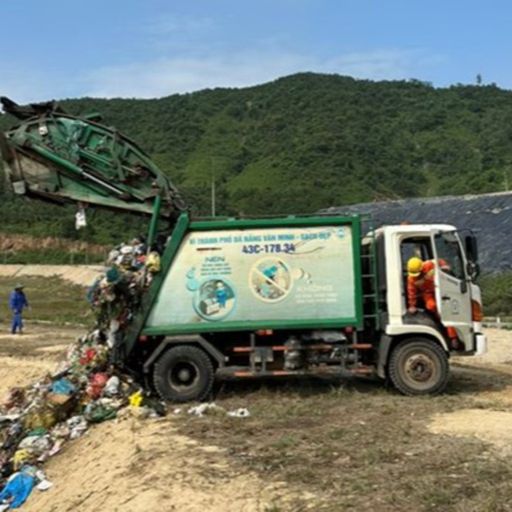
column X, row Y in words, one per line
column 17, row 302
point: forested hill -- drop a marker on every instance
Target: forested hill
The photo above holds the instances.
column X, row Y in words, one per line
column 308, row 141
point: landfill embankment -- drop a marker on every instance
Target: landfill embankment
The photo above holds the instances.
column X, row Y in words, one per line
column 487, row 215
column 131, row 463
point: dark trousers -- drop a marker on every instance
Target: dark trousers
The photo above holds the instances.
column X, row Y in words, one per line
column 17, row 322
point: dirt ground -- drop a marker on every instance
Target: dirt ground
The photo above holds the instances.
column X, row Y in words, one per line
column 493, row 426
column 144, row 465
column 83, row 275
column 272, row 462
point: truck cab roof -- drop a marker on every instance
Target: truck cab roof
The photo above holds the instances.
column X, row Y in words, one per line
column 414, row 228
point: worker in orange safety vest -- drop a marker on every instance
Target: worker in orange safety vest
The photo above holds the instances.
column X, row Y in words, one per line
column 420, row 283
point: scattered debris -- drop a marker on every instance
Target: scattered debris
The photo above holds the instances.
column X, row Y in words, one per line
column 202, row 409
column 80, row 219
column 239, row 413
column 36, row 420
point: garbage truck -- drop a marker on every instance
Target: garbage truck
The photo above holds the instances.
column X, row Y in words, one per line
column 248, row 298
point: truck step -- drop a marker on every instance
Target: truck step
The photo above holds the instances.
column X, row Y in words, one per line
column 268, row 373
column 247, row 373
column 316, row 346
column 363, row 370
column 245, row 350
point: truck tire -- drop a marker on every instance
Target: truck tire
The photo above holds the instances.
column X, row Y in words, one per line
column 418, row 366
column 183, row 373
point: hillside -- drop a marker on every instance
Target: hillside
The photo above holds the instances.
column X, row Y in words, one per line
column 302, row 143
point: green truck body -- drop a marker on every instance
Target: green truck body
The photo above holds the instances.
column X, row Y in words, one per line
column 260, row 274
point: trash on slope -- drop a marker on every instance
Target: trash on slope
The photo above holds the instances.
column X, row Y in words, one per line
column 19, row 486
column 37, row 420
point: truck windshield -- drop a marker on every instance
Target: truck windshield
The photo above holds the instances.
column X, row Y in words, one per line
column 449, row 255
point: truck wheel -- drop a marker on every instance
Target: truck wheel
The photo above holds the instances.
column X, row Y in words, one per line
column 183, row 373
column 418, row 367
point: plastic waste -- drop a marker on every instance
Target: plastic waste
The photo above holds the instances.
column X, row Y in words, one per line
column 112, row 331
column 135, row 399
column 96, row 412
column 18, row 489
column 44, row 485
column 201, row 409
column 113, row 275
column 21, row 457
column 96, row 384
column 112, row 386
column 77, row 426
column 80, row 219
column 239, row 413
column 62, row 387
column 36, row 444
column 153, row 262
column 42, row 416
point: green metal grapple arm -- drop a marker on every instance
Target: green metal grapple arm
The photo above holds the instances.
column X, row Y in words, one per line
column 62, row 158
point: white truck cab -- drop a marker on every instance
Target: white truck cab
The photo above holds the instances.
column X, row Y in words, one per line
column 458, row 298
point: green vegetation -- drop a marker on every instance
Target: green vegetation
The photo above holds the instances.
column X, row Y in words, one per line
column 51, row 257
column 497, row 294
column 51, row 300
column 302, row 143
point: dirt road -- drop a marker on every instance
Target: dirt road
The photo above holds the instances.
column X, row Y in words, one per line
column 83, row 275
column 131, row 464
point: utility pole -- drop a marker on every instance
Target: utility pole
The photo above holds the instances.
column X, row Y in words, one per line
column 213, row 188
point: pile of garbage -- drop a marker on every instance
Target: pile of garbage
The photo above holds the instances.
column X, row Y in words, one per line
column 116, row 295
column 36, row 421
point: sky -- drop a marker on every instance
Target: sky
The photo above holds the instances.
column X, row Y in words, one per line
column 55, row 49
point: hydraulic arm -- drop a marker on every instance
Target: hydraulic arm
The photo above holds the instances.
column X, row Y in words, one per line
column 61, row 158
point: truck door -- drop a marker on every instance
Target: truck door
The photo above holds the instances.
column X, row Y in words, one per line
column 453, row 295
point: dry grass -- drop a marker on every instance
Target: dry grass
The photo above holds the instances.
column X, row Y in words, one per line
column 360, row 446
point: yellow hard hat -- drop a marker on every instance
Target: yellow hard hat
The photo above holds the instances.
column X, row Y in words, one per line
column 414, row 266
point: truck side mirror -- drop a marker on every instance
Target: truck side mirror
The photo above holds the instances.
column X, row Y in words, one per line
column 471, row 248
column 473, row 270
